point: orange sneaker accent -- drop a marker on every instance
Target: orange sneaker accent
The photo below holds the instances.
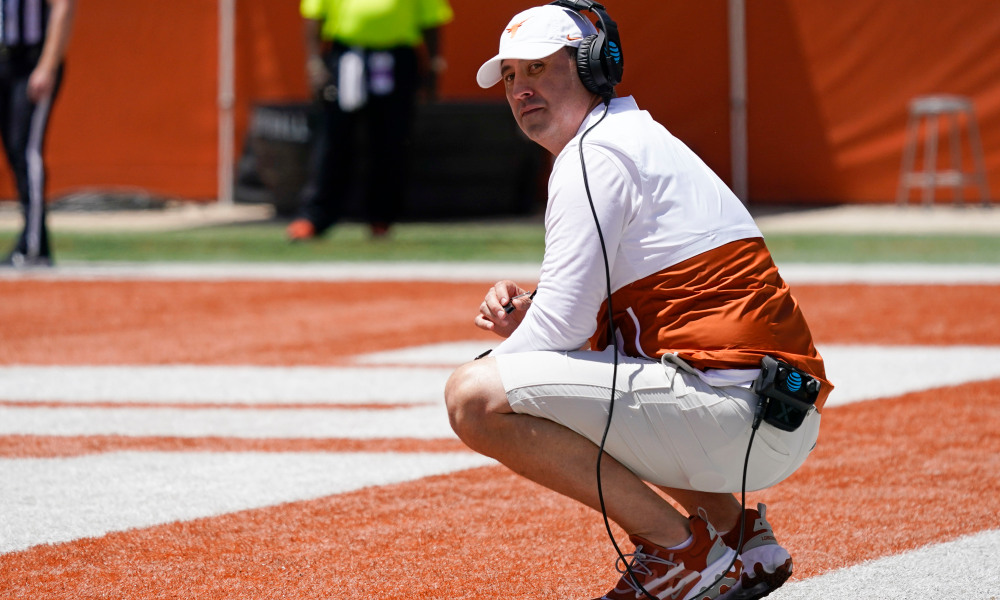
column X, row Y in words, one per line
column 766, row 565
column 301, row 229
column 380, row 230
column 689, row 573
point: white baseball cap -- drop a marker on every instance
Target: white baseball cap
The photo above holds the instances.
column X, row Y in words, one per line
column 536, row 33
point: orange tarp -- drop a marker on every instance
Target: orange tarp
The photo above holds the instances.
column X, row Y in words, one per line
column 828, row 86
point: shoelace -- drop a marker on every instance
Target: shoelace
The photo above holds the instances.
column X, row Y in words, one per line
column 639, row 566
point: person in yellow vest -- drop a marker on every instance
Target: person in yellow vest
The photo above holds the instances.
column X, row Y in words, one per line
column 366, row 62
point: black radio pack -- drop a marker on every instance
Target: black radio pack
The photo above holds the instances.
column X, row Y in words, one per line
column 786, row 394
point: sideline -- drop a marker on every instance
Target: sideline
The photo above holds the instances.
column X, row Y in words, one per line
column 794, row 273
column 860, row 218
column 956, row 569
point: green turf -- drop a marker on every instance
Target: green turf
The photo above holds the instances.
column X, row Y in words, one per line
column 347, row 242
column 504, row 241
column 890, row 248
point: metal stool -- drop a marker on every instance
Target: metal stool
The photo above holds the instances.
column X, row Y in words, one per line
column 931, row 110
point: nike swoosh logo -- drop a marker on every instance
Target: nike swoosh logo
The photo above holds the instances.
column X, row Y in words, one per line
column 573, row 39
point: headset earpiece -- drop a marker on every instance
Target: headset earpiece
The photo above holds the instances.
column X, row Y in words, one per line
column 599, row 59
column 589, row 69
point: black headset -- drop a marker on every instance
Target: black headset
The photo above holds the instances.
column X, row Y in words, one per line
column 599, row 60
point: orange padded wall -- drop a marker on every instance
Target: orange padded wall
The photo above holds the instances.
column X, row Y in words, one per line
column 828, row 85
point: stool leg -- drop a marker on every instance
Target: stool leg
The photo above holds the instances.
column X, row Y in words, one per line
column 909, row 154
column 956, row 159
column 930, row 160
column 977, row 159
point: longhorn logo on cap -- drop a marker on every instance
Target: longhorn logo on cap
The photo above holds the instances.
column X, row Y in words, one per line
column 515, row 26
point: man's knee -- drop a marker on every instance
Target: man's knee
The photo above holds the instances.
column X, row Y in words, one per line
column 472, row 393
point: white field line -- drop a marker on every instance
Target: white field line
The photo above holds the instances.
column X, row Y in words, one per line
column 962, row 568
column 423, row 422
column 52, row 500
column 794, row 273
column 859, row 373
column 239, row 384
column 333, row 271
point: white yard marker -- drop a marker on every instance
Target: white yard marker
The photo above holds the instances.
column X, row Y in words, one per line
column 52, row 500
column 962, row 568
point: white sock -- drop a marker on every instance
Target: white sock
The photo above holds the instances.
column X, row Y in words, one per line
column 683, row 544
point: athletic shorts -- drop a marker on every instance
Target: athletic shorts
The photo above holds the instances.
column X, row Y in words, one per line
column 669, row 427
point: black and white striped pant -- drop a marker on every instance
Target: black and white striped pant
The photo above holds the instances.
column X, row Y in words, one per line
column 22, row 126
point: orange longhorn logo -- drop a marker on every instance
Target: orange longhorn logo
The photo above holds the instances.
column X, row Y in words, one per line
column 515, row 26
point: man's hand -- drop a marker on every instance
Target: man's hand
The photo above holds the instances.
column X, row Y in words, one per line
column 41, row 82
column 503, row 309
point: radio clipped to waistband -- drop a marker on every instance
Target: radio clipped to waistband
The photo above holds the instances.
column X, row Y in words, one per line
column 786, row 394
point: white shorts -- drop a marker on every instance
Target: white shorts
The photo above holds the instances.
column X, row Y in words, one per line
column 669, row 427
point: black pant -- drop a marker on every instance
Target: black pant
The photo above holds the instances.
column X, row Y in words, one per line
column 22, row 126
column 381, row 128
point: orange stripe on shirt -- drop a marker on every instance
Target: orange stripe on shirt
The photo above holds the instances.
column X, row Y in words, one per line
column 723, row 309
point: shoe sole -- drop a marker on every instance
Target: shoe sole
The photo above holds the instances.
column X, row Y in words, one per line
column 760, row 583
column 726, row 583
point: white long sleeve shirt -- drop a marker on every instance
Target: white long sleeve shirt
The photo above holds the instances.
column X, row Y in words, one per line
column 657, row 202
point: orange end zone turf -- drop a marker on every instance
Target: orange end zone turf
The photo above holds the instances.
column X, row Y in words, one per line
column 886, row 477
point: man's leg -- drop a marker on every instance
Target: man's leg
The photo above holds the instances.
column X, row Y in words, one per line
column 24, row 137
column 332, row 162
column 554, row 456
column 331, row 171
column 723, row 510
column 391, row 114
